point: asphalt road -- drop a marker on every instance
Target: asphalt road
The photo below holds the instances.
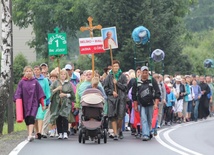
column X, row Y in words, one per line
column 194, row 138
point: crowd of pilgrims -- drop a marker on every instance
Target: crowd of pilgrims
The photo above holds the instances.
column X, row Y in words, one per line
column 51, row 100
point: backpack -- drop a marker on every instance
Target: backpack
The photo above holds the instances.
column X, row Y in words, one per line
column 145, row 92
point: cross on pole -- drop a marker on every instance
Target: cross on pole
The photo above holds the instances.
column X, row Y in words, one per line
column 56, row 30
column 91, row 28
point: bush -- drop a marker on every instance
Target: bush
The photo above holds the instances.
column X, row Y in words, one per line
column 20, row 62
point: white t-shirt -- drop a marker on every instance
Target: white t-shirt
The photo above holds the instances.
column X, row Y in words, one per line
column 177, row 87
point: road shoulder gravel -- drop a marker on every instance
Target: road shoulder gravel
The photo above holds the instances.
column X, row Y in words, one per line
column 9, row 141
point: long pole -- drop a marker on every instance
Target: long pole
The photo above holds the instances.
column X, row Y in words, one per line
column 92, row 58
column 115, row 88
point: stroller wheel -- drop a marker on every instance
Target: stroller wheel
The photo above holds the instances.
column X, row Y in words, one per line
column 105, row 136
column 80, row 136
column 83, row 138
column 98, row 138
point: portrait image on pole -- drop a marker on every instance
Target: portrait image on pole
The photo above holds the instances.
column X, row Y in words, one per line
column 109, row 38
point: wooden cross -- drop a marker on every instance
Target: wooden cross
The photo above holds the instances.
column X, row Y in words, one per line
column 91, row 28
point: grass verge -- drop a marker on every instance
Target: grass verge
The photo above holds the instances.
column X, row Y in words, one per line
column 17, row 127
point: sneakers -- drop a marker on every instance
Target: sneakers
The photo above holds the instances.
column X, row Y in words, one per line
column 30, row 138
column 111, row 136
column 39, row 136
column 133, row 131
column 65, row 135
column 121, row 135
column 60, row 136
column 44, row 136
column 52, row 133
column 128, row 128
column 168, row 123
column 115, row 137
column 138, row 136
column 146, row 138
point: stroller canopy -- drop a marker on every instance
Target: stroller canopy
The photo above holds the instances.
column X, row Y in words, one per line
column 92, row 96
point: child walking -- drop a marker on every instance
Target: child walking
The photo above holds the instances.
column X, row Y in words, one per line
column 169, row 104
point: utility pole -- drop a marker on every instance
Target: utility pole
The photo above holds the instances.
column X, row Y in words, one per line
column 6, row 89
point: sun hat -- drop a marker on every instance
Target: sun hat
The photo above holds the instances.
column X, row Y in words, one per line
column 178, row 78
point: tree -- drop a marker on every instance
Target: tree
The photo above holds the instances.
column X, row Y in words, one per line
column 163, row 18
column 19, row 63
column 201, row 16
column 199, row 48
column 45, row 15
column 6, row 61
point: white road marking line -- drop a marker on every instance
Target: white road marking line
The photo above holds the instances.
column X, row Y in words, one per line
column 166, row 135
column 168, row 146
column 174, row 128
column 18, row 148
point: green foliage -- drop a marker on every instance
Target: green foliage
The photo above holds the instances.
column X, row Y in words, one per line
column 163, row 18
column 45, row 15
column 17, row 127
column 83, row 62
column 201, row 16
column 19, row 63
column 199, row 48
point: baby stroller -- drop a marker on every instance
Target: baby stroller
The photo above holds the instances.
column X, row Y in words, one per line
column 92, row 120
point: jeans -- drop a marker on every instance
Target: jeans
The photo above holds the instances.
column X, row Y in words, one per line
column 196, row 109
column 189, row 106
column 146, row 119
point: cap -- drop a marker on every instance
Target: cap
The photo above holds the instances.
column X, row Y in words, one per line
column 43, row 64
column 144, row 68
column 68, row 66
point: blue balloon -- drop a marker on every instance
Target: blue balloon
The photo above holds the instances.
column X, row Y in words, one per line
column 141, row 35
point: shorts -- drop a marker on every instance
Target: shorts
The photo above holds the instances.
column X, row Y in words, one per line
column 40, row 113
column 178, row 106
column 29, row 120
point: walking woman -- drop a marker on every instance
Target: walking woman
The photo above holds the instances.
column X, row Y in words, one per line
column 61, row 99
column 31, row 93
